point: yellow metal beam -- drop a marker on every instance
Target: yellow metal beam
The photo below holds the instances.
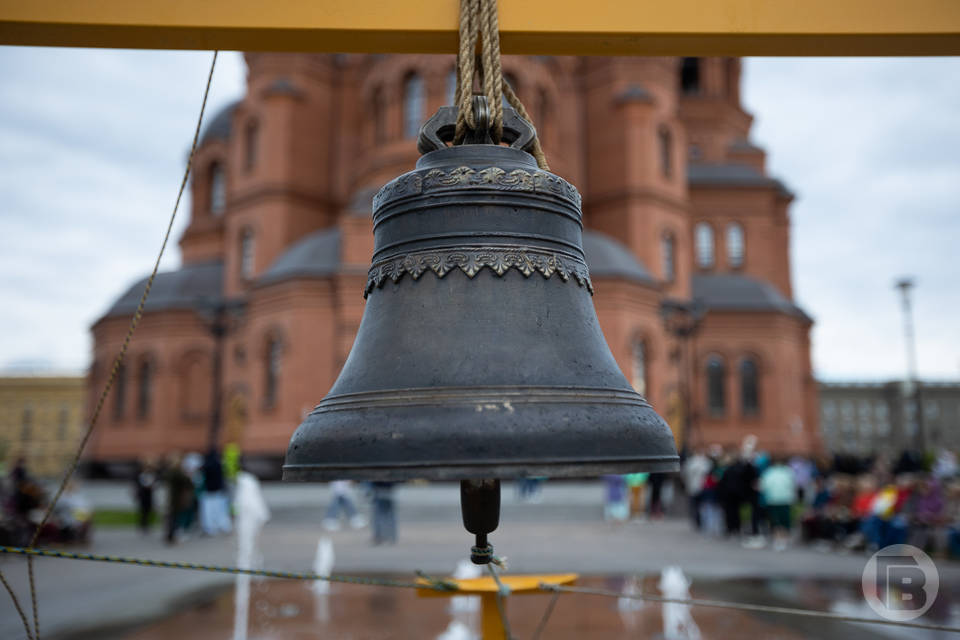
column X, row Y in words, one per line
column 561, row 27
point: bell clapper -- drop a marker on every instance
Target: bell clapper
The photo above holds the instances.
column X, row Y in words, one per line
column 480, row 506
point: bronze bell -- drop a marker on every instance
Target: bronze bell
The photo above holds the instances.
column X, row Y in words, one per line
column 479, row 356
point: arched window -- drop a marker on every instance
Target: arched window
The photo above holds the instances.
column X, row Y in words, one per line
column 703, row 236
column 120, row 392
column 379, row 116
column 413, row 102
column 639, row 367
column 665, row 145
column 144, row 389
column 195, row 379
column 749, row 392
column 690, row 75
column 251, row 140
column 271, row 381
column 247, row 248
column 716, row 386
column 218, row 189
column 668, row 251
column 451, row 95
column 735, row 244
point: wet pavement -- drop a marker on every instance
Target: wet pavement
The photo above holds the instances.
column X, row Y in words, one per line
column 563, row 533
column 292, row 611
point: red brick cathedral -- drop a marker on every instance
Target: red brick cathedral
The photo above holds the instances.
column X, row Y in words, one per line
column 687, row 241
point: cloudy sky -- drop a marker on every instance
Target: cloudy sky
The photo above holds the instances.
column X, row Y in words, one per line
column 93, row 142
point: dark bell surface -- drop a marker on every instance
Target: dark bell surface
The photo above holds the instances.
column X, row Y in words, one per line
column 479, row 353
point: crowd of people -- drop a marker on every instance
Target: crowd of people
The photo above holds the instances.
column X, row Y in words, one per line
column 842, row 503
column 199, row 492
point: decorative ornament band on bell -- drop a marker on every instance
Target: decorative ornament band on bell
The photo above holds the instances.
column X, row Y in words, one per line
column 479, row 354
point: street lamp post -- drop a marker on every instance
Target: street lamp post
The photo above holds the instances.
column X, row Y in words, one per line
column 217, row 317
column 681, row 319
column 905, row 285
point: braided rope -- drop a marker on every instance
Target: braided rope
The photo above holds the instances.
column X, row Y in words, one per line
column 479, row 19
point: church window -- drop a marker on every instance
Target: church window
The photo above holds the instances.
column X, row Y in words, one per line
column 379, row 116
column 144, row 389
column 749, row 387
column 247, row 248
column 668, row 250
column 735, row 245
column 639, row 367
column 272, row 369
column 413, row 103
column 120, row 392
column 665, row 144
column 690, row 75
column 703, row 234
column 716, row 386
column 218, row 189
column 251, row 141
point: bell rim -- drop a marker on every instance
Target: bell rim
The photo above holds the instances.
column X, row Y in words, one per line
column 514, row 469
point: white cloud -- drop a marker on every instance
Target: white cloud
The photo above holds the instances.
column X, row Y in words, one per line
column 93, row 143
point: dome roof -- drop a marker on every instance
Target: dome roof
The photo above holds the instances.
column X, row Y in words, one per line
column 190, row 287
column 733, row 292
column 608, row 258
column 316, row 255
column 220, row 124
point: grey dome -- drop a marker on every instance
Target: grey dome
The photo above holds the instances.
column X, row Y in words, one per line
column 733, row 292
column 190, row 287
column 731, row 175
column 316, row 255
column 608, row 258
column 220, row 124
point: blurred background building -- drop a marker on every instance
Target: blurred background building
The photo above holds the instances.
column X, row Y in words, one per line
column 881, row 417
column 687, row 239
column 41, row 420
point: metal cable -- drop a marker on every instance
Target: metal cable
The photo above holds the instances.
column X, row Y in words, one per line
column 436, row 584
column 502, row 592
column 427, row 582
column 719, row 604
column 119, row 359
column 546, row 615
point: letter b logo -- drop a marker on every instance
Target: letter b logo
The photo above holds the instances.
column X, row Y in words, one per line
column 900, row 582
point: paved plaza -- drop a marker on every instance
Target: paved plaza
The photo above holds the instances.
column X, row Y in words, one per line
column 565, row 531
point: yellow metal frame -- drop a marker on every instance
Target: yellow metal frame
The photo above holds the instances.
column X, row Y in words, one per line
column 562, row 27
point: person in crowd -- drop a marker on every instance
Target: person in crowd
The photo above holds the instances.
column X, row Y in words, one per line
column 341, row 492
column 928, row 514
column 615, row 507
column 384, row 513
column 214, row 504
column 144, row 484
column 656, row 494
column 179, row 498
column 779, row 490
column 696, row 468
column 636, row 484
column 231, row 468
